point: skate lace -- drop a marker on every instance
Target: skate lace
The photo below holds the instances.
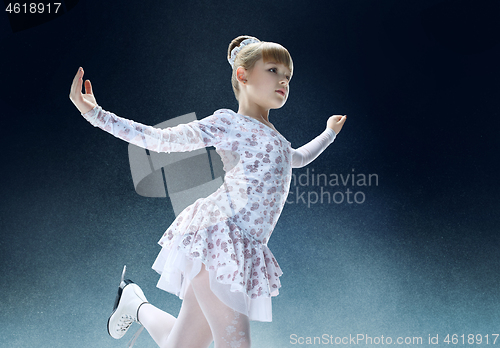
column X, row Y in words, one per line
column 125, row 322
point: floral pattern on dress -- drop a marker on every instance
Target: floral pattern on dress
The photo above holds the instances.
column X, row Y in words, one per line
column 227, row 231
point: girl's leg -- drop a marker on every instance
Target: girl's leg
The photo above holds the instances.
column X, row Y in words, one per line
column 190, row 329
column 157, row 322
column 229, row 328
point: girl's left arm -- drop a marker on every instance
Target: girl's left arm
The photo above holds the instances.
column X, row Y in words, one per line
column 308, row 152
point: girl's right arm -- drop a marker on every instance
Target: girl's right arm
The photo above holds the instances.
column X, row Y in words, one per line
column 184, row 137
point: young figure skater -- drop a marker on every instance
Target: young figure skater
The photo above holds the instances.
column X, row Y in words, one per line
column 214, row 255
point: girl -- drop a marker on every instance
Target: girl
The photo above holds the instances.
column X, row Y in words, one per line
column 214, row 256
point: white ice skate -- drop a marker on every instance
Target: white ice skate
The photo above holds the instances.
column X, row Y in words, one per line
column 128, row 301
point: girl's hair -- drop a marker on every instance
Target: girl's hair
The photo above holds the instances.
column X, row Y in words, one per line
column 250, row 54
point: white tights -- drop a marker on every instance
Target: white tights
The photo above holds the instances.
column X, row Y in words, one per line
column 202, row 318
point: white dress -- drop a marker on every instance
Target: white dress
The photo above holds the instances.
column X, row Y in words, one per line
column 227, row 231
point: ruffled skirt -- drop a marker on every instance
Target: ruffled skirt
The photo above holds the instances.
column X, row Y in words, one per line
column 244, row 274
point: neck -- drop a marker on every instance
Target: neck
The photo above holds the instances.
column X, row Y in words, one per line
column 253, row 110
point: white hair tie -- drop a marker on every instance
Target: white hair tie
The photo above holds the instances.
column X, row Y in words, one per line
column 235, row 50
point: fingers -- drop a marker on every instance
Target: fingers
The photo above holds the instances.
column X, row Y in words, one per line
column 339, row 118
column 76, row 86
column 88, row 87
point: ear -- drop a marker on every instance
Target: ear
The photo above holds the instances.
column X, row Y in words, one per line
column 241, row 74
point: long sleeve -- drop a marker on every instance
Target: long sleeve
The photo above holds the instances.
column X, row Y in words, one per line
column 308, row 152
column 184, row 137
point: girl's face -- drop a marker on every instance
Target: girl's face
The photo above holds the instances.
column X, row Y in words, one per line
column 268, row 84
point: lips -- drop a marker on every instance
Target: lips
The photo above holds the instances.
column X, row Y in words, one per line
column 281, row 91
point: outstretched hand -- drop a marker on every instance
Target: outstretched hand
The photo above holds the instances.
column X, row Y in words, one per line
column 83, row 102
column 336, row 122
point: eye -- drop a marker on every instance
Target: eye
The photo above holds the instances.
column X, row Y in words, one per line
column 276, row 71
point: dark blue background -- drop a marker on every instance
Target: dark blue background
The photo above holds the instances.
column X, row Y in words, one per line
column 419, row 82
